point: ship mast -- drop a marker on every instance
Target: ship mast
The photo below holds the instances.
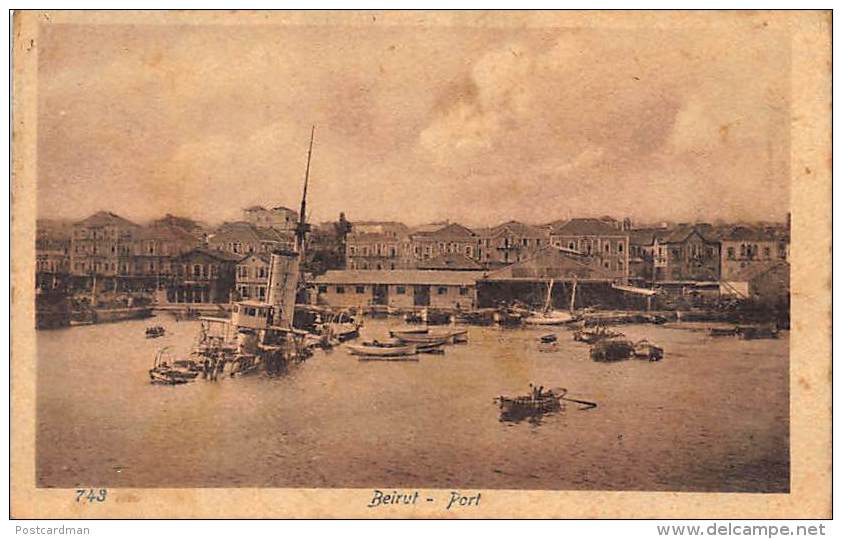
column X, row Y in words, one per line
column 301, row 229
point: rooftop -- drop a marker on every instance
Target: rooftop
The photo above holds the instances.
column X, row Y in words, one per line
column 586, row 227
column 105, row 218
column 450, row 261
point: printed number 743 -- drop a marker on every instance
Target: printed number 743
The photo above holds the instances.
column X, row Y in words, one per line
column 91, row 495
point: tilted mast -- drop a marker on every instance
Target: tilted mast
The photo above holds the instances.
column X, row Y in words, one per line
column 285, row 265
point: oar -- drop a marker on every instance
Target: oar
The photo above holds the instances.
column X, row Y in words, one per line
column 588, row 404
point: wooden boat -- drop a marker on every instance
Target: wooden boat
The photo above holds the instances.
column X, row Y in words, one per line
column 166, row 370
column 155, row 332
column 549, row 338
column 646, row 350
column 595, row 335
column 409, row 329
column 421, row 338
column 422, row 348
column 382, row 351
column 537, row 403
column 612, row 350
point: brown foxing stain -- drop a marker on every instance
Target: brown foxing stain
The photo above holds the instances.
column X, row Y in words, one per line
column 804, row 383
column 807, row 170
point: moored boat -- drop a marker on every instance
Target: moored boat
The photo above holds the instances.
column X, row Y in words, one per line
column 166, row 370
column 591, row 336
column 155, row 331
column 382, row 351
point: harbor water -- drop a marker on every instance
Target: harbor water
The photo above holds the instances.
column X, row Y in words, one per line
column 712, row 416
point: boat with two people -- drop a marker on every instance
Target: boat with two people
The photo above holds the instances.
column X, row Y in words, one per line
column 536, row 403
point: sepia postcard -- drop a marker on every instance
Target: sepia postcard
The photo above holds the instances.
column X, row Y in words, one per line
column 461, row 264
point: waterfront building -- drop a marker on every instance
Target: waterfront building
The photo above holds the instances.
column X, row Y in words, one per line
column 202, row 276
column 642, row 253
column 252, row 276
column 509, row 242
column 766, row 283
column 153, row 248
column 687, row 253
column 398, row 288
column 600, row 239
column 101, row 246
column 52, row 254
column 279, row 217
column 378, row 245
column 745, row 247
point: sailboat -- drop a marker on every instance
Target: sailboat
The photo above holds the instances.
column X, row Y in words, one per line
column 549, row 316
column 260, row 334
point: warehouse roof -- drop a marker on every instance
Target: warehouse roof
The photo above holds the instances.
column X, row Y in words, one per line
column 395, row 277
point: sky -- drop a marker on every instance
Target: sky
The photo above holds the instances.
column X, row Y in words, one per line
column 416, row 124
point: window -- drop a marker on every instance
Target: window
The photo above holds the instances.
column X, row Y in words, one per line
column 606, row 264
column 353, row 250
column 340, row 289
column 261, row 292
column 463, row 290
column 197, row 270
column 360, row 290
column 400, row 290
column 442, row 290
column 767, row 252
column 620, row 247
column 525, row 242
column 730, row 253
column 571, row 246
column 251, row 311
column 322, row 289
column 607, row 247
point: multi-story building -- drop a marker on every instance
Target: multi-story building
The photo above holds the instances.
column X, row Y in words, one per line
column 642, row 243
column 378, row 246
column 101, row 246
column 202, row 276
column 152, row 252
column 278, row 217
column 52, row 254
column 744, row 247
column 604, row 241
column 686, row 253
column 509, row 242
column 432, row 241
column 252, row 276
column 241, row 238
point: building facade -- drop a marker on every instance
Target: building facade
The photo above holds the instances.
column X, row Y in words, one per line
column 252, row 276
column 101, row 245
column 279, row 217
column 686, row 254
column 432, row 241
column 52, row 254
column 378, row 246
column 745, row 247
column 153, row 249
column 401, row 289
column 509, row 243
column 202, row 276
column 241, row 238
column 596, row 238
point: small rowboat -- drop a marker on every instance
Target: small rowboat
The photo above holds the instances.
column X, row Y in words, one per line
column 534, row 404
column 431, row 338
column 409, row 329
column 612, row 350
column 421, row 348
column 382, row 351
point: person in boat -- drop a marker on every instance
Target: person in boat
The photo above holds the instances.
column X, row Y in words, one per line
column 205, row 368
